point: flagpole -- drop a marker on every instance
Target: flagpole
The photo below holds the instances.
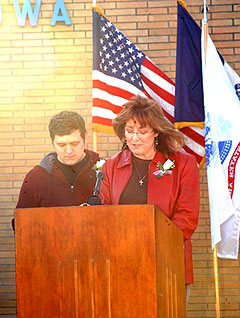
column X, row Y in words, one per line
column 215, row 261
column 94, row 132
column 205, row 28
column 215, row 264
column 95, row 141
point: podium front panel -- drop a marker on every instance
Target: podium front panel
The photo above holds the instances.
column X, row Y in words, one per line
column 88, row 262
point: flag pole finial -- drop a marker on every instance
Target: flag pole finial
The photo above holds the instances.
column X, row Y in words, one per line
column 205, row 9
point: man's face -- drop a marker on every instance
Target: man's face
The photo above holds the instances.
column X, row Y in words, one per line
column 69, row 148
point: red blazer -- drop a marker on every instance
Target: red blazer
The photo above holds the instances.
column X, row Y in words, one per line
column 176, row 195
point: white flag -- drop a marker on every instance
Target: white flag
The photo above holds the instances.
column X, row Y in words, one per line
column 222, row 144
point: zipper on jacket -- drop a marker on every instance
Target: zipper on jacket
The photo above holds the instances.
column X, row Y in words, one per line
column 72, row 188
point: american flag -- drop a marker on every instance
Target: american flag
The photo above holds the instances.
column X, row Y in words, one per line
column 120, row 71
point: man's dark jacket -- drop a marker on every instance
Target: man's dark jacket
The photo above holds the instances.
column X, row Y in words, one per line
column 46, row 185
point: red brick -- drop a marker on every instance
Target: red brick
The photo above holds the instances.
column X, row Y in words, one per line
column 47, row 69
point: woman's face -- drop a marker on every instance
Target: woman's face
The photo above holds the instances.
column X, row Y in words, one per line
column 140, row 140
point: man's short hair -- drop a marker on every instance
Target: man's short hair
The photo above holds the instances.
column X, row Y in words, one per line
column 65, row 122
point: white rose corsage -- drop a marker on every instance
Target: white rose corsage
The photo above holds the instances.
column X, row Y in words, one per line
column 165, row 168
column 99, row 164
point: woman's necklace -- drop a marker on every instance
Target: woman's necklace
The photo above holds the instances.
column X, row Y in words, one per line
column 140, row 181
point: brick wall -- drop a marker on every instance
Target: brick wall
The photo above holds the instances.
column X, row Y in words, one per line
column 45, row 69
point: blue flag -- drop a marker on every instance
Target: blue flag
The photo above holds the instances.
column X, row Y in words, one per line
column 188, row 87
column 189, row 109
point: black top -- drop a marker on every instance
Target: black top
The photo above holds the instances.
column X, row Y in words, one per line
column 134, row 192
column 71, row 172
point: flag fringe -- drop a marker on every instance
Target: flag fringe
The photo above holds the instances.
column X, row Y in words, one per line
column 183, row 4
column 188, row 124
column 99, row 11
column 102, row 128
column 203, row 161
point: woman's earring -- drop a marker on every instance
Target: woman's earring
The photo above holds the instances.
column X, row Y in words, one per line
column 156, row 141
column 124, row 141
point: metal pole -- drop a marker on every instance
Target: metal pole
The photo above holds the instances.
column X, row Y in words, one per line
column 94, row 133
column 215, row 264
column 95, row 141
column 215, row 261
column 205, row 29
column 205, row 11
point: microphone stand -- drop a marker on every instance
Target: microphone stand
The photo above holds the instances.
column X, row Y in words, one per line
column 94, row 198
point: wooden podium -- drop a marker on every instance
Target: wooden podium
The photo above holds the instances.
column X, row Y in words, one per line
column 121, row 261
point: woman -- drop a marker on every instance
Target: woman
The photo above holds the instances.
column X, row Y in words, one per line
column 151, row 169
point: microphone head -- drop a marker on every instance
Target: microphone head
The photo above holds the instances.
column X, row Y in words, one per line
column 99, row 174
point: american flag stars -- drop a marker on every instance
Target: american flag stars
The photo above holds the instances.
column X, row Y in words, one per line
column 118, row 57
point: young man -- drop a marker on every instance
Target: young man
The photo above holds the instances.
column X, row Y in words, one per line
column 64, row 177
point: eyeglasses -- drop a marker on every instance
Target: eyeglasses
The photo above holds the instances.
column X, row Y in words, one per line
column 141, row 133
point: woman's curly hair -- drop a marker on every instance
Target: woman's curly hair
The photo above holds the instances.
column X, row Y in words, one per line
column 149, row 112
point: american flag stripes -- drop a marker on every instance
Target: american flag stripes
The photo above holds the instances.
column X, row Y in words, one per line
column 120, row 71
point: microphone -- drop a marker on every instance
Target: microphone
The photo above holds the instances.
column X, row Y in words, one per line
column 94, row 199
column 100, row 176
